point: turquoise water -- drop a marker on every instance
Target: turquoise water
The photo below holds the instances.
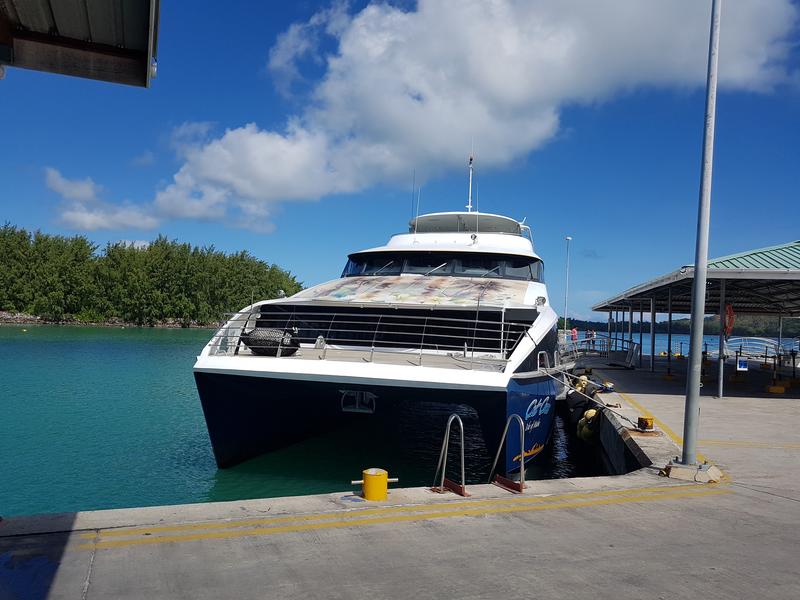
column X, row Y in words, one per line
column 108, row 417
column 680, row 341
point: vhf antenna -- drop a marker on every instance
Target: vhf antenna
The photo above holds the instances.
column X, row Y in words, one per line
column 469, row 200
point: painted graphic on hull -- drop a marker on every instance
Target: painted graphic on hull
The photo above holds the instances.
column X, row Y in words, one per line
column 533, row 401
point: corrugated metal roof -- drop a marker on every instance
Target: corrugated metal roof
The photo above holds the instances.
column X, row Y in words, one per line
column 110, row 40
column 785, row 256
column 761, row 281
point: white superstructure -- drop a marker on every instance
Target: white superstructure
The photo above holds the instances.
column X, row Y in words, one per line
column 453, row 311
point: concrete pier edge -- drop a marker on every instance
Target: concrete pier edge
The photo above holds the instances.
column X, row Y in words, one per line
column 622, row 445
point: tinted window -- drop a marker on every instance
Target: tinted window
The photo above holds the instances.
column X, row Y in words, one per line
column 460, row 264
column 428, row 262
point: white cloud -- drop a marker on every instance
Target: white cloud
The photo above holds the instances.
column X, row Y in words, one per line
column 189, row 135
column 302, row 41
column 82, row 209
column 412, row 89
column 107, row 216
column 80, row 190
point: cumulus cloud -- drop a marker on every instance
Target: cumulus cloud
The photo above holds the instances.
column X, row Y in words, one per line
column 83, row 209
column 189, row 135
column 79, row 190
column 413, row 89
column 302, row 41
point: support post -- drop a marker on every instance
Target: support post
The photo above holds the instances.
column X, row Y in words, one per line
column 630, row 323
column 721, row 361
column 609, row 329
column 669, row 331
column 641, row 329
column 691, row 416
column 652, row 335
column 622, row 329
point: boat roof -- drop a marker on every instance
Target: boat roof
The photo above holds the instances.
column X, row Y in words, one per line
column 452, row 222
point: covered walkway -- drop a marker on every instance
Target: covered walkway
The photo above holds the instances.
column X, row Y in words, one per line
column 765, row 281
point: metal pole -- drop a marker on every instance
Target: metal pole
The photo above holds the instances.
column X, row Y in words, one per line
column 691, row 415
column 566, row 290
column 622, row 330
column 630, row 324
column 609, row 330
column 780, row 331
column 652, row 335
column 669, row 331
column 721, row 338
column 641, row 330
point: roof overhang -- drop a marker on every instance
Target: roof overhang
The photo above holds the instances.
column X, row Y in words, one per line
column 749, row 291
column 113, row 40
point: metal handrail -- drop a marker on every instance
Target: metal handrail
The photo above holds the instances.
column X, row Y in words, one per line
column 378, row 331
column 752, row 347
column 443, row 454
column 521, row 449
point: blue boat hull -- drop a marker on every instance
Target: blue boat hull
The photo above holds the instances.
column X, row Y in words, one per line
column 249, row 416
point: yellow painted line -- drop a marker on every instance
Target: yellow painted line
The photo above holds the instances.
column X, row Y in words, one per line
column 358, row 513
column 661, row 425
column 750, row 444
column 466, row 512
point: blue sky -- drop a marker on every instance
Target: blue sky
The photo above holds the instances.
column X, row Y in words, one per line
column 587, row 122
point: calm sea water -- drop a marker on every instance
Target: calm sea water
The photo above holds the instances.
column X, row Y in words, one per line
column 105, row 418
column 680, row 342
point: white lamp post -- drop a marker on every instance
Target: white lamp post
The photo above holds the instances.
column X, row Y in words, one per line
column 566, row 290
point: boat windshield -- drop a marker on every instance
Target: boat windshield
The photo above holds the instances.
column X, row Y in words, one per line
column 501, row 266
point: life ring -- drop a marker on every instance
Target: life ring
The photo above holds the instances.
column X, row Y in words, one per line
column 730, row 319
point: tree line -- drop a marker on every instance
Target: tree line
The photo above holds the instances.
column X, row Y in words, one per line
column 63, row 278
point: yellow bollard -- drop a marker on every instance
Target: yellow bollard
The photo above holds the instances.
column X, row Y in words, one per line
column 375, row 484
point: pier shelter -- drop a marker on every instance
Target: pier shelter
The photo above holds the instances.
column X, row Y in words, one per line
column 764, row 281
column 112, row 41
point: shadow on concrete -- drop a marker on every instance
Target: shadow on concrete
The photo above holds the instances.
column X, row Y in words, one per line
column 750, row 384
column 31, row 550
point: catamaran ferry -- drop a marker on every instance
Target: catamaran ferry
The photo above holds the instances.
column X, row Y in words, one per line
column 455, row 311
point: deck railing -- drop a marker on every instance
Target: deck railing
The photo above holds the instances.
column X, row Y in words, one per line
column 480, row 336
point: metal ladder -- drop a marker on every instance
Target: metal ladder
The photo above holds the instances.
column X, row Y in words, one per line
column 444, row 482
column 504, row 482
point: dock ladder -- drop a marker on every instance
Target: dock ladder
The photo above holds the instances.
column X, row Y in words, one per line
column 444, row 482
column 504, row 482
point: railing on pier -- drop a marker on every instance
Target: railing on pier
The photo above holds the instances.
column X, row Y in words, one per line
column 469, row 337
column 575, row 349
column 750, row 347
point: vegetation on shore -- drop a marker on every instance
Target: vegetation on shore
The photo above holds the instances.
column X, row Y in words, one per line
column 745, row 326
column 62, row 278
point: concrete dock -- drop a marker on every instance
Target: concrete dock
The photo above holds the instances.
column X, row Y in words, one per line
column 639, row 535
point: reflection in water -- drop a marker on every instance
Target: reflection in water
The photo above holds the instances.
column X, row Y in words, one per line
column 406, row 441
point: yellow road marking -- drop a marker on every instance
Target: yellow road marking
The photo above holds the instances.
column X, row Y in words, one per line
column 663, row 426
column 360, row 512
column 466, row 512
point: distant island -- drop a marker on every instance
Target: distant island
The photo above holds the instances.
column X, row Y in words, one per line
column 745, row 326
column 57, row 279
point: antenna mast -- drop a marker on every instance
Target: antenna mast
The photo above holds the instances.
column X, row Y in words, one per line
column 469, row 200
